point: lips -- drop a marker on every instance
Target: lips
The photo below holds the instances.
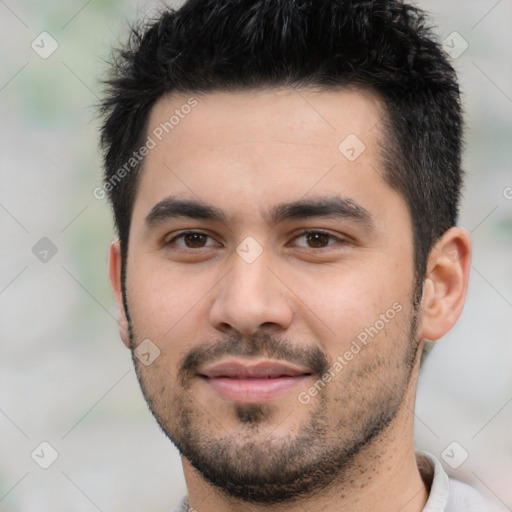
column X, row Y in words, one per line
column 252, row 381
column 253, row 369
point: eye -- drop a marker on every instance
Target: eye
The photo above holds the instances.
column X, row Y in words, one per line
column 191, row 240
column 317, row 239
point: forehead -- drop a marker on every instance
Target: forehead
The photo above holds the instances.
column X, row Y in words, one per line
column 262, row 146
column 292, row 114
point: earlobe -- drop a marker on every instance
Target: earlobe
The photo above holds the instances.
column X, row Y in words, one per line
column 115, row 265
column 445, row 287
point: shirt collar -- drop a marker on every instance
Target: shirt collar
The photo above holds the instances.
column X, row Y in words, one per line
column 435, row 478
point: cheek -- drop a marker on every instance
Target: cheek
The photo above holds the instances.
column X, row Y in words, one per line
column 162, row 298
column 345, row 298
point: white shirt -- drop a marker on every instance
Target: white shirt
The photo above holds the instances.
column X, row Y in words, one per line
column 446, row 494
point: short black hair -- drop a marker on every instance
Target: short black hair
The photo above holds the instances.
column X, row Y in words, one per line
column 385, row 46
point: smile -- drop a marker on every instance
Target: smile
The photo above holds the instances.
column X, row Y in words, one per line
column 252, row 382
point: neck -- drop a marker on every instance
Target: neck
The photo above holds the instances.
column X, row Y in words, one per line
column 384, row 477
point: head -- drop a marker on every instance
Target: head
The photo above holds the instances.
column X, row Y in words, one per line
column 285, row 180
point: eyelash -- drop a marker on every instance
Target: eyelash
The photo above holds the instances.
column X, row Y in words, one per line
column 301, row 234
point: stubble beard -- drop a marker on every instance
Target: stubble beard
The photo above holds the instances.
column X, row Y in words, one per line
column 257, row 467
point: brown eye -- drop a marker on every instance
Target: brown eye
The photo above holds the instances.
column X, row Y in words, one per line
column 194, row 240
column 191, row 240
column 317, row 239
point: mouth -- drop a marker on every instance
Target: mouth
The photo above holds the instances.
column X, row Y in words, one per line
column 252, row 381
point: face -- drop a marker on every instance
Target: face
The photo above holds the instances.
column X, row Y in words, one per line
column 270, row 266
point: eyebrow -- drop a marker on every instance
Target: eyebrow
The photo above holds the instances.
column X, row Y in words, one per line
column 332, row 206
column 172, row 207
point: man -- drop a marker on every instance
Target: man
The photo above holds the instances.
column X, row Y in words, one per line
column 285, row 180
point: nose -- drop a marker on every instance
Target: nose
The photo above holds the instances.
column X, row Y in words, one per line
column 251, row 297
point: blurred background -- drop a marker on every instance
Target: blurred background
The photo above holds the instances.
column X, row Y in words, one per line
column 69, row 399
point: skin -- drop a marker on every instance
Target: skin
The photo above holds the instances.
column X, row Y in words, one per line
column 304, row 299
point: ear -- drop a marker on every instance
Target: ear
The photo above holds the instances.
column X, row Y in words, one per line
column 115, row 266
column 445, row 287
